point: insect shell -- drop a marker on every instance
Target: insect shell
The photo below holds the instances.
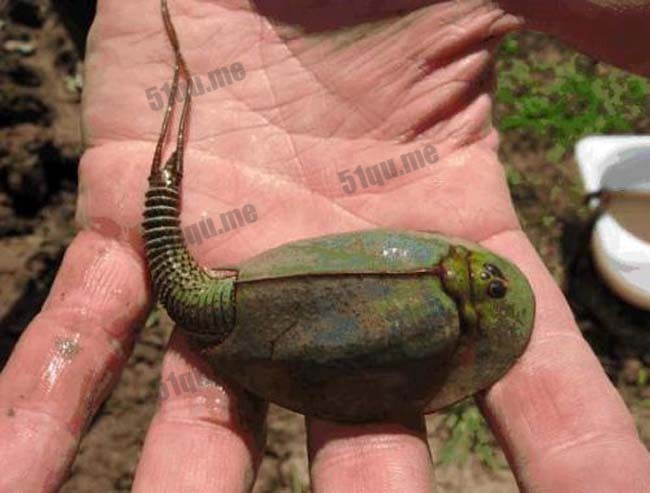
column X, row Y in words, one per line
column 370, row 325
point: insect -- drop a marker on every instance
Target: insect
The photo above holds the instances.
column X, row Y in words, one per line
column 354, row 327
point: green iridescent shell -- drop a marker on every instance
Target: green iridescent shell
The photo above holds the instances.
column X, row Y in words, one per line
column 372, row 325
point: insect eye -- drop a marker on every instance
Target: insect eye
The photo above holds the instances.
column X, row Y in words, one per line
column 497, row 289
column 493, row 270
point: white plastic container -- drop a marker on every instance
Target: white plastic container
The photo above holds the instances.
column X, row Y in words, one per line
column 621, row 237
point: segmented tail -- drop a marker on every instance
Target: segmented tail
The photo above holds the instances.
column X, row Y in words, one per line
column 200, row 301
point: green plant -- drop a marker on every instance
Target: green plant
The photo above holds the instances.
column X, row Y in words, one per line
column 562, row 102
column 295, row 482
column 513, row 177
column 468, row 433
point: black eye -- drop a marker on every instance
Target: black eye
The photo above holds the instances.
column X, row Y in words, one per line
column 496, row 289
column 493, row 270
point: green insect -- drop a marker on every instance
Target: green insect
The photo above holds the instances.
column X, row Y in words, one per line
column 361, row 326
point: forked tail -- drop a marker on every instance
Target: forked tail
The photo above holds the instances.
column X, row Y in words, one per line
column 196, row 299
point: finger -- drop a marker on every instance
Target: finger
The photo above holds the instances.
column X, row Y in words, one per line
column 67, row 361
column 369, row 458
column 562, row 424
column 207, row 435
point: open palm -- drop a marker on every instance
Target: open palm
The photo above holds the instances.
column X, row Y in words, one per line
column 326, row 89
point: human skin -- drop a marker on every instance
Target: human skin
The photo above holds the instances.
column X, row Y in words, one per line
column 611, row 30
column 313, row 103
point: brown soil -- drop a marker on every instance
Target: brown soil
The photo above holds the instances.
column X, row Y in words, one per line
column 39, row 150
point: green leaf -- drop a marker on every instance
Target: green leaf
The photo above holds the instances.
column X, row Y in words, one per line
column 294, row 478
column 559, row 105
column 510, row 46
column 469, row 434
column 556, row 153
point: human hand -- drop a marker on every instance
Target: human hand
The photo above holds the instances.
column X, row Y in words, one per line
column 310, row 106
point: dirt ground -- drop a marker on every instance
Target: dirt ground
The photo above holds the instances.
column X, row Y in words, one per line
column 39, row 150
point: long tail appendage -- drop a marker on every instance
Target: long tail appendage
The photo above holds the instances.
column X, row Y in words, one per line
column 198, row 300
